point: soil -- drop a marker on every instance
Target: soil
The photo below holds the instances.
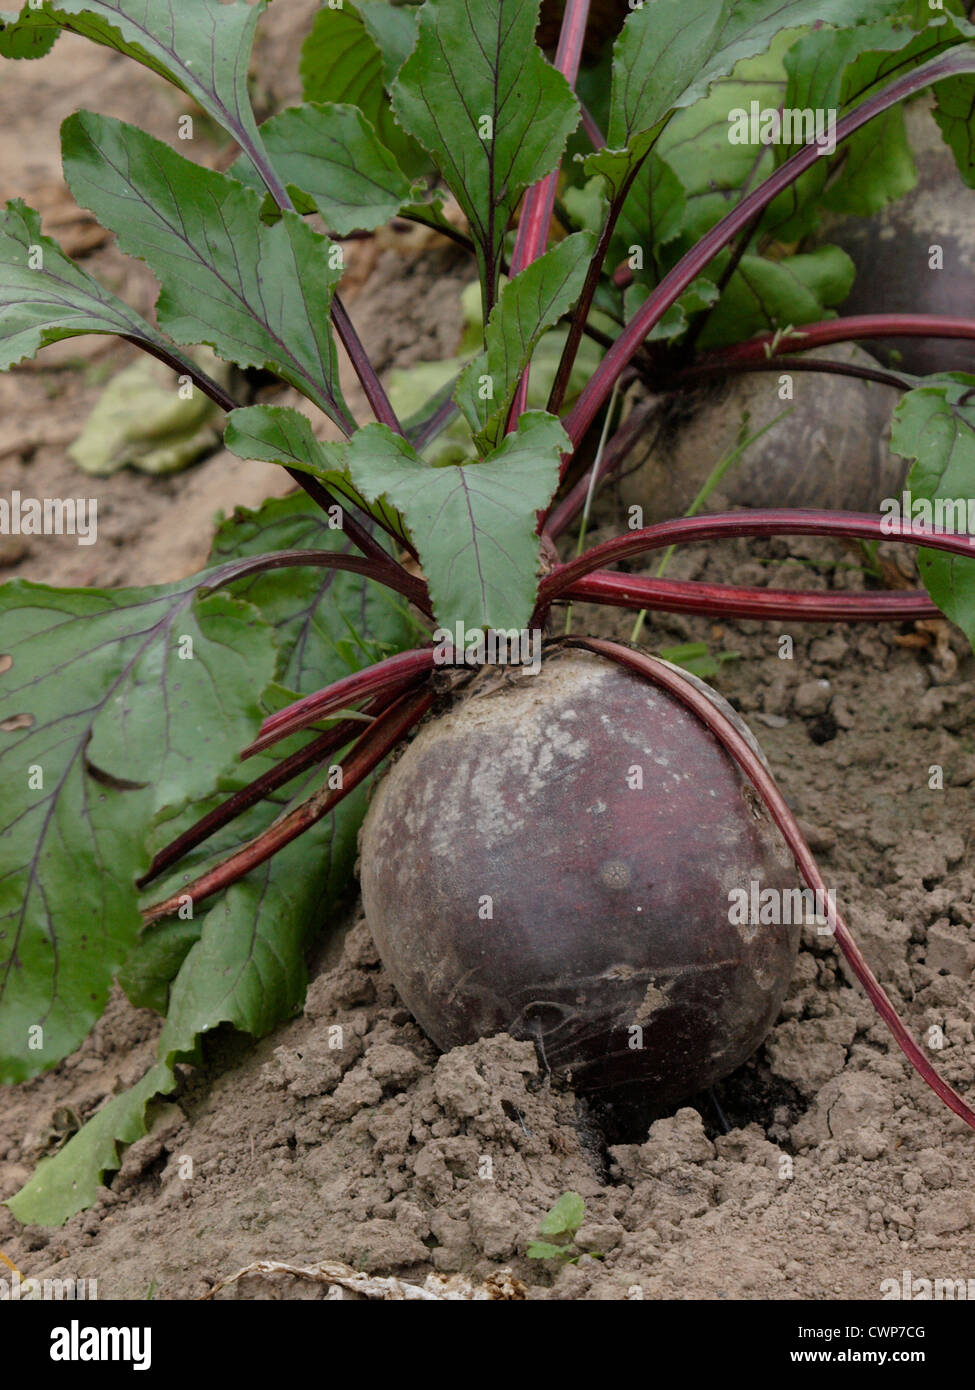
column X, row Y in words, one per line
column 821, row 1168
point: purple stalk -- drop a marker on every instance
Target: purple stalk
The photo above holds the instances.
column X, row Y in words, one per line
column 757, row 355
column 385, row 571
column 315, row 489
column 589, row 124
column 437, row 421
column 725, row 601
column 617, row 448
column 395, row 671
column 761, row 522
column 844, row 330
column 379, row 739
column 187, row 367
column 570, row 348
column 536, row 213
column 688, row 375
column 284, row 771
column 751, row 765
column 364, row 370
column 356, row 532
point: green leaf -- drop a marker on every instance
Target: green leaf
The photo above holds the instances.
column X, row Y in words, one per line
column 954, row 113
column 652, row 216
column 203, row 46
column 27, row 34
column 473, row 524
column 331, row 161
column 659, row 46
column 749, row 26
column 670, row 52
column 697, row 658
column 544, row 1250
column 477, row 93
column 700, row 295
column 830, row 70
column 418, row 390
column 259, row 295
column 834, row 72
column 351, row 55
column 243, row 962
column 565, row 1217
column 878, row 167
column 528, row 305
column 69, row 1180
column 392, row 29
column 545, row 364
column 328, row 623
column 954, row 108
column 712, row 169
column 763, row 295
column 935, row 426
column 111, row 705
column 279, row 434
column 429, row 209
column 592, row 87
column 247, row 968
column 155, row 961
column 45, row 297
column 822, row 70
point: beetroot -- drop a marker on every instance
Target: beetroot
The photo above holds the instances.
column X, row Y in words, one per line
column 893, row 251
column 516, row 878
column 830, row 447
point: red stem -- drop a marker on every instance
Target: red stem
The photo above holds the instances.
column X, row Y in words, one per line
column 676, row 281
column 536, row 212
column 737, row 746
column 724, row 525
column 589, row 124
column 364, row 370
column 845, row 330
column 356, row 533
column 570, row 348
column 378, row 740
column 385, row 571
column 723, row 601
column 626, row 436
column 536, row 216
column 374, row 680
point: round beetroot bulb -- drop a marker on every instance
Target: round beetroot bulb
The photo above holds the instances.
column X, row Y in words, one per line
column 517, row 878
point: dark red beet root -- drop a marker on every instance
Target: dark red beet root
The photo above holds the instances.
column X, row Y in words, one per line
column 609, row 904
column 892, row 253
